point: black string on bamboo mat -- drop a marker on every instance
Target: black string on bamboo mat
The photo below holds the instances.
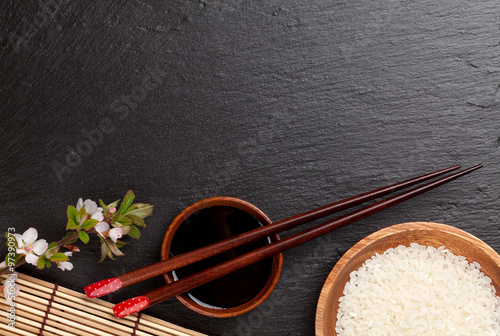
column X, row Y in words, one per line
column 136, row 323
column 44, row 322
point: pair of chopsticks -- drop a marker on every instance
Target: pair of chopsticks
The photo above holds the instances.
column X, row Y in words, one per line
column 183, row 285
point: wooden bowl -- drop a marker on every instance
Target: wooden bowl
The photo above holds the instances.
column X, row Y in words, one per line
column 277, row 260
column 430, row 234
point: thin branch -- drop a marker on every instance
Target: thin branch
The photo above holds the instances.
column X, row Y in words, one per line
column 22, row 260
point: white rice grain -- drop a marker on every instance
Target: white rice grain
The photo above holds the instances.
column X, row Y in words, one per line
column 418, row 290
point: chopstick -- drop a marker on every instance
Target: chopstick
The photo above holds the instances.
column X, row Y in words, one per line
column 130, row 278
column 183, row 285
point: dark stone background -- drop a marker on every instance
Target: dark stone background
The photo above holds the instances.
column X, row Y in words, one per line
column 286, row 104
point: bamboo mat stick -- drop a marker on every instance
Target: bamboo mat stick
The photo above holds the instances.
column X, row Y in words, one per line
column 76, row 298
column 62, row 299
column 27, row 320
column 56, row 315
column 155, row 327
column 6, row 330
column 21, row 327
column 78, row 325
column 60, row 311
column 25, row 313
column 48, row 330
column 57, row 311
column 75, row 322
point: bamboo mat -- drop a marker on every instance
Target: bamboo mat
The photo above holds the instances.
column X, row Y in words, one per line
column 43, row 308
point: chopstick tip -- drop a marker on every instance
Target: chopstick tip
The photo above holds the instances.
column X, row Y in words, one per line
column 475, row 167
column 130, row 306
column 103, row 287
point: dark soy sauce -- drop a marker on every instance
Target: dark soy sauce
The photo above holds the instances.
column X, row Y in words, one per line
column 211, row 225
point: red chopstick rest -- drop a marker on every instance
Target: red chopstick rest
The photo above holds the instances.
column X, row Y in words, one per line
column 103, row 287
column 130, row 306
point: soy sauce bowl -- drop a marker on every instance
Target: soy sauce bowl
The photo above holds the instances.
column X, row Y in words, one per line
column 211, row 220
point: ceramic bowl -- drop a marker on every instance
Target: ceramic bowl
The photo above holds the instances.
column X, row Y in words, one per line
column 277, row 260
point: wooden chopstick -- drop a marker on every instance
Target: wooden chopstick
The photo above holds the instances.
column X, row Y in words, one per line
column 185, row 284
column 185, row 259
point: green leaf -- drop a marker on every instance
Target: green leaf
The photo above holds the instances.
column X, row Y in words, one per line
column 89, row 223
column 104, row 207
column 48, row 263
column 70, row 233
column 136, row 220
column 144, row 211
column 72, row 213
column 59, row 257
column 72, row 225
column 134, row 232
column 114, row 204
column 9, row 260
column 112, row 247
column 41, row 262
column 123, row 220
column 81, row 215
column 51, row 250
column 84, row 237
column 127, row 202
column 120, row 243
column 104, row 250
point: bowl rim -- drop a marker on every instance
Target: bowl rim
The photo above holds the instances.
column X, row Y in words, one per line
column 239, row 204
column 374, row 237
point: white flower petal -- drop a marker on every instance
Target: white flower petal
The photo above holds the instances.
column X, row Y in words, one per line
column 101, row 227
column 20, row 243
column 69, row 253
column 115, row 233
column 32, row 259
column 79, row 204
column 90, row 206
column 98, row 216
column 3, row 264
column 30, row 236
column 19, row 240
column 65, row 265
column 40, row 246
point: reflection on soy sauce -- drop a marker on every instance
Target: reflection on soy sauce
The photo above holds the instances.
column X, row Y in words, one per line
column 211, row 225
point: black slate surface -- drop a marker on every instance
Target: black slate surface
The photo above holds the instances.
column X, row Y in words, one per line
column 286, row 104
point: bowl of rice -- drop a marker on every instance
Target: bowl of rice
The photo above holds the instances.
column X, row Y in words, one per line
column 415, row 278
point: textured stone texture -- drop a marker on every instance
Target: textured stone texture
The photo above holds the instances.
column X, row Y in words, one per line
column 286, row 104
